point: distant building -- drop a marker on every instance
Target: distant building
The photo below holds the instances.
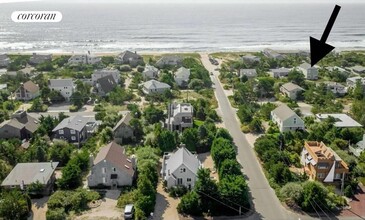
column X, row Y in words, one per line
column 273, row 54
column 250, row 59
column 341, row 120
column 65, row 86
column 21, row 126
column 170, row 60
column 286, row 119
column 249, row 73
column 24, row 174
column 104, row 85
column 3, row 87
column 112, row 167
column 182, row 77
column 310, row 73
column 180, row 168
column 352, row 81
column 358, row 69
column 291, row 90
column 358, row 148
column 4, row 60
column 150, row 72
column 36, row 59
column 179, row 117
column 321, row 163
column 27, row 91
column 130, row 58
column 279, row 72
column 154, row 87
column 75, row 129
column 97, row 74
column 339, row 69
column 123, row 130
column 336, row 88
column 84, row 59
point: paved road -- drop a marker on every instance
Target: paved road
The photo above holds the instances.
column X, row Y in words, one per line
column 266, row 204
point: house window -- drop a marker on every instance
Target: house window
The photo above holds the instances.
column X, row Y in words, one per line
column 113, row 176
column 73, row 138
column 295, row 120
column 188, row 180
column 320, row 175
column 114, row 170
column 60, row 131
column 104, row 180
column 338, row 176
column 322, row 165
column 103, row 170
column 182, row 170
column 72, row 131
column 179, row 181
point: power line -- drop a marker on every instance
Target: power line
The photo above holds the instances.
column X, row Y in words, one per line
column 321, row 209
column 220, row 201
column 314, row 209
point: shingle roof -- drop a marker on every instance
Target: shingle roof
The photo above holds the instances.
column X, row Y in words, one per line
column 248, row 72
column 73, row 122
column 280, row 70
column 107, row 83
column 283, row 112
column 114, row 154
column 125, row 120
column 291, row 86
column 154, row 84
column 31, row 86
column 129, row 55
column 31, row 124
column 183, row 156
column 182, row 72
column 29, row 173
column 305, row 65
column 60, row 82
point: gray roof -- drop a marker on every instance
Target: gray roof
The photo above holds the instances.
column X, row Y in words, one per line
column 305, row 65
column 182, row 108
column 4, row 56
column 29, row 173
column 280, row 70
column 150, row 68
column 125, row 120
column 291, row 86
column 107, row 83
column 154, row 84
column 358, row 68
column 169, row 60
column 342, row 120
column 24, row 120
column 106, row 70
column 73, row 122
column 185, row 157
column 248, row 72
column 182, row 72
column 251, row 57
column 127, row 55
column 60, row 82
column 284, row 112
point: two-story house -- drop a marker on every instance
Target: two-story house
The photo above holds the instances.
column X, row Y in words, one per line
column 21, row 126
column 130, row 58
column 291, row 90
column 310, row 73
column 104, row 85
column 84, row 59
column 65, row 86
column 27, row 91
column 75, row 129
column 123, row 130
column 321, row 163
column 336, row 88
column 179, row 116
column 97, row 74
column 150, row 72
column 180, row 168
column 286, row 119
column 182, row 77
column 112, row 167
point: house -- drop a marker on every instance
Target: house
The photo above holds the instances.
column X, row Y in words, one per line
column 340, row 120
column 279, row 72
column 179, row 116
column 182, row 77
column 75, row 129
column 4, row 60
column 286, row 119
column 249, row 73
column 336, row 88
column 171, row 60
column 104, row 85
column 358, row 148
column 338, row 69
column 154, row 87
column 3, row 87
column 310, row 73
column 123, row 130
column 352, row 81
column 269, row 53
column 180, row 168
column 321, row 163
column 65, row 86
column 84, row 59
column 97, row 74
column 130, row 58
column 21, row 126
column 24, row 174
column 302, row 53
column 150, row 72
column 358, row 69
column 36, row 59
column 250, row 59
column 27, row 91
column 112, row 167
column 291, row 90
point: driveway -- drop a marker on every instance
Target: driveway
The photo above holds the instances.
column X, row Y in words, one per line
column 265, row 203
column 39, row 209
column 166, row 206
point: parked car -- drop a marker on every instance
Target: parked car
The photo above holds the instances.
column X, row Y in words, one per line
column 129, row 211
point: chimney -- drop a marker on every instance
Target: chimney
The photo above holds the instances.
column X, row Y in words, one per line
column 19, row 114
column 51, row 164
column 133, row 160
column 91, row 160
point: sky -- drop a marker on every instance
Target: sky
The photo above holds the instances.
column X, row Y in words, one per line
column 195, row 1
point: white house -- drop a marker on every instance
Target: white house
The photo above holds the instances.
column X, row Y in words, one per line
column 97, row 74
column 154, row 87
column 291, row 90
column 310, row 73
column 150, row 72
column 84, row 59
column 286, row 119
column 180, row 168
column 341, row 120
column 182, row 76
column 65, row 86
column 179, row 116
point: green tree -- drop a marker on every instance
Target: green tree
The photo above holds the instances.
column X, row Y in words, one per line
column 222, row 149
column 292, row 191
column 189, row 137
column 166, row 141
column 313, row 191
column 189, row 204
column 14, row 205
column 71, row 176
column 207, row 189
column 296, row 77
column 358, row 92
column 229, row 167
column 153, row 114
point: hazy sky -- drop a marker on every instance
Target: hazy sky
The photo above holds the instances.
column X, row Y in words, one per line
column 197, row 1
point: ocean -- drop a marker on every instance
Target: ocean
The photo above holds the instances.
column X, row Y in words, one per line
column 98, row 27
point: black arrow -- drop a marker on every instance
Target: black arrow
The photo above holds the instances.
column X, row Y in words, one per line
column 319, row 48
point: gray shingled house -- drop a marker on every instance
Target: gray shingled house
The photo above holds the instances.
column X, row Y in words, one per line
column 104, row 85
column 4, row 60
column 25, row 174
column 171, row 60
column 291, row 90
column 154, row 87
column 112, row 167
column 21, row 126
column 122, row 130
column 130, row 58
column 27, row 91
column 36, row 59
column 249, row 73
column 182, row 77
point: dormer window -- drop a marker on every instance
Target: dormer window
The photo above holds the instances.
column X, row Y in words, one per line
column 182, row 170
column 295, row 120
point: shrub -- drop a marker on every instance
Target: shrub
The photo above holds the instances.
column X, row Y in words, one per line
column 177, row 191
column 74, row 108
column 56, row 214
column 140, row 69
column 125, row 68
column 127, row 198
column 189, row 204
column 292, row 191
column 349, row 192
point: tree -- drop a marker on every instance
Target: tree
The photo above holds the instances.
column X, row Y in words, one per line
column 222, row 149
column 166, row 141
column 61, row 151
column 207, row 189
column 71, row 176
column 245, row 114
column 14, row 205
column 296, row 77
column 223, row 133
column 153, row 114
column 189, row 204
column 358, row 92
column 255, row 125
column 280, row 173
column 106, row 135
column 77, row 99
column 137, row 128
column 189, row 137
column 35, row 188
column 292, row 191
column 313, row 191
column 229, row 167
